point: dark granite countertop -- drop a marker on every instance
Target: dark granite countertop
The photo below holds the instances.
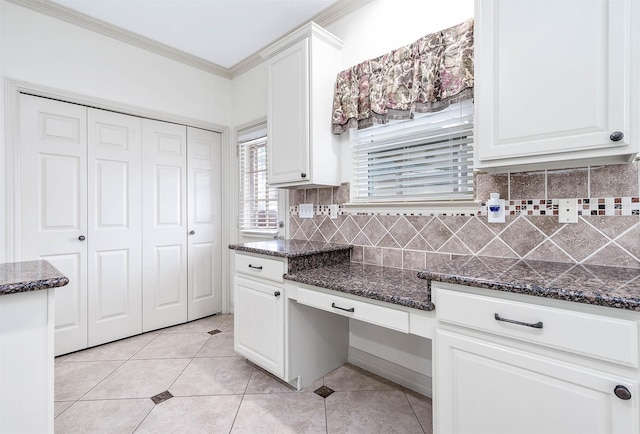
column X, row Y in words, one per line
column 616, row 287
column 289, row 248
column 391, row 285
column 29, row 276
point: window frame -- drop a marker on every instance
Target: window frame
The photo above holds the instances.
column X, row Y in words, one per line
column 254, row 135
column 464, row 203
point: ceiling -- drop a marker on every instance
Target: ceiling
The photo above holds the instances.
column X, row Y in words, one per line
column 221, row 32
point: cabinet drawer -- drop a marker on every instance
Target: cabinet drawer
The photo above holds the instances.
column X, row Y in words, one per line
column 605, row 338
column 360, row 310
column 258, row 266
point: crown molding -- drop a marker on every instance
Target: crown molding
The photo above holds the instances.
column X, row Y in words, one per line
column 324, row 18
column 328, row 16
column 63, row 13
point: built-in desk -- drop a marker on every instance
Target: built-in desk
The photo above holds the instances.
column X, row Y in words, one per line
column 553, row 344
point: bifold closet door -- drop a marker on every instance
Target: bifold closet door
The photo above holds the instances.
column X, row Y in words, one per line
column 115, row 227
column 52, row 194
column 204, row 185
column 164, row 224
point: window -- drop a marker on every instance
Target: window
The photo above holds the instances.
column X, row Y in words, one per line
column 258, row 208
column 427, row 158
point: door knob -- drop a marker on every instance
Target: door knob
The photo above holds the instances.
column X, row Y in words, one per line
column 622, row 392
column 192, row 232
column 82, row 238
column 303, row 175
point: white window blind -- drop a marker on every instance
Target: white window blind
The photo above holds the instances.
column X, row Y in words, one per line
column 258, row 203
column 427, row 158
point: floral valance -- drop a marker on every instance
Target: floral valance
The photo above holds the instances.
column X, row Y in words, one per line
column 426, row 76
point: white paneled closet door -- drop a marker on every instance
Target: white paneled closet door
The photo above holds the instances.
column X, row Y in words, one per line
column 115, row 226
column 205, row 222
column 52, row 194
column 164, row 224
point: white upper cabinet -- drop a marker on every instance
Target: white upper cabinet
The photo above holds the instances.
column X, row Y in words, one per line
column 302, row 68
column 556, row 82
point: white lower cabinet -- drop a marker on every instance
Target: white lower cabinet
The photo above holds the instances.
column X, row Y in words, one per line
column 484, row 387
column 259, row 324
column 259, row 317
column 501, row 382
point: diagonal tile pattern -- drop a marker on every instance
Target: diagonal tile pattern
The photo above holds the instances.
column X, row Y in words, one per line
column 378, row 237
column 111, row 389
column 607, row 232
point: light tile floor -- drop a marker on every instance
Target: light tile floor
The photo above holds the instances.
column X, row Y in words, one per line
column 108, row 389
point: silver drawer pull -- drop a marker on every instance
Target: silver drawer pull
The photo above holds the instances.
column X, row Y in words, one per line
column 333, row 305
column 259, row 267
column 537, row 325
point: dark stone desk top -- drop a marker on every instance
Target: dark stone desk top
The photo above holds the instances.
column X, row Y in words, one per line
column 391, row 285
column 29, row 276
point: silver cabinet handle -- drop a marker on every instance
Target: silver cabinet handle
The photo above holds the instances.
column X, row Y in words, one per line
column 333, row 305
column 537, row 325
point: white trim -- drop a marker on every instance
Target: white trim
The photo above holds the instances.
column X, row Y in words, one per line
column 266, row 234
column 413, row 380
column 436, row 207
column 13, row 89
column 329, row 15
column 64, row 13
column 299, row 34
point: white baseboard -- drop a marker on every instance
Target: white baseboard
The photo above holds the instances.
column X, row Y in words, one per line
column 398, row 374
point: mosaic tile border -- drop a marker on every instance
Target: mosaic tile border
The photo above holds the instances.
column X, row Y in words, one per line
column 607, row 206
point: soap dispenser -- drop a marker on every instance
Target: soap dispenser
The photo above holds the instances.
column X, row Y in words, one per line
column 495, row 208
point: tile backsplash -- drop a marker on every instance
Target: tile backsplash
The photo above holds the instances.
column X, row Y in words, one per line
column 607, row 232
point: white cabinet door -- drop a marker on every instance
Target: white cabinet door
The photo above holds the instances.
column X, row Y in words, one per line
column 259, row 324
column 301, row 77
column 114, row 237
column 52, row 219
column 164, row 224
column 288, row 123
column 554, row 79
column 204, row 222
column 483, row 387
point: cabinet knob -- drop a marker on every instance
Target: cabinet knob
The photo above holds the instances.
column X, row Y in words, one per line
column 616, row 136
column 82, row 238
column 276, row 294
column 622, row 392
column 192, row 232
column 303, row 175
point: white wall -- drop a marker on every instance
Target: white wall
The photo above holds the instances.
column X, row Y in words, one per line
column 49, row 52
column 249, row 92
column 43, row 50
